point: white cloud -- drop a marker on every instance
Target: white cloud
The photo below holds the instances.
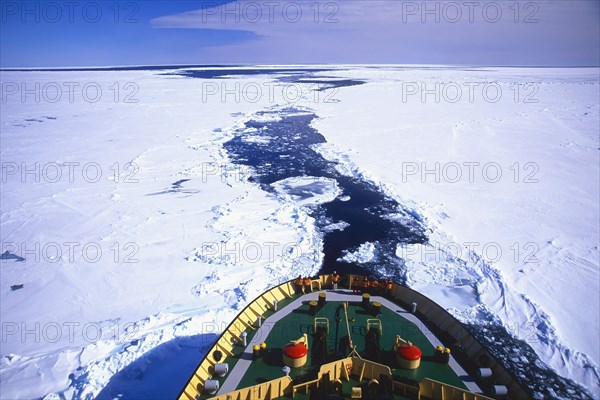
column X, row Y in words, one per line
column 487, row 32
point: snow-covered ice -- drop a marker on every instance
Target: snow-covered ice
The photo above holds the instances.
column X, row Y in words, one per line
column 154, row 256
column 308, row 190
column 365, row 253
column 120, row 240
column 338, row 226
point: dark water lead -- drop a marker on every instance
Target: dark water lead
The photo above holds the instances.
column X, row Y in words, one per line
column 279, row 144
column 278, row 149
column 305, row 76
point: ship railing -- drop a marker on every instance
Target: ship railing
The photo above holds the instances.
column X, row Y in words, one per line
column 232, row 337
column 432, row 389
column 443, row 324
column 272, row 389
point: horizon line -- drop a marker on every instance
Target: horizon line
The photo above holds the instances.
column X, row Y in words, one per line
column 216, row 65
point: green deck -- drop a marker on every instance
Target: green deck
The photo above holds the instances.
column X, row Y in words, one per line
column 238, row 351
column 300, row 321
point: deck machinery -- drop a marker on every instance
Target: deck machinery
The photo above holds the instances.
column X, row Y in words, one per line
column 379, row 342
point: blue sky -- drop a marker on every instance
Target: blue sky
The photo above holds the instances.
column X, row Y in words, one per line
column 104, row 33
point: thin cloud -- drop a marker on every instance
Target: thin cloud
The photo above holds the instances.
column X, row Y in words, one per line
column 542, row 33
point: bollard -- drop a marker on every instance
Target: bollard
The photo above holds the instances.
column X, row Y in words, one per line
column 259, row 321
column 322, row 299
column 211, row 386
column 483, row 373
column 243, row 335
column 376, row 308
column 313, row 307
column 499, row 390
column 438, row 355
column 221, row 369
column 446, row 355
column 275, row 305
column 255, row 351
column 366, row 299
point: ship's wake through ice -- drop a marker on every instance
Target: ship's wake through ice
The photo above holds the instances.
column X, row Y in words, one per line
column 359, row 236
column 364, row 231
